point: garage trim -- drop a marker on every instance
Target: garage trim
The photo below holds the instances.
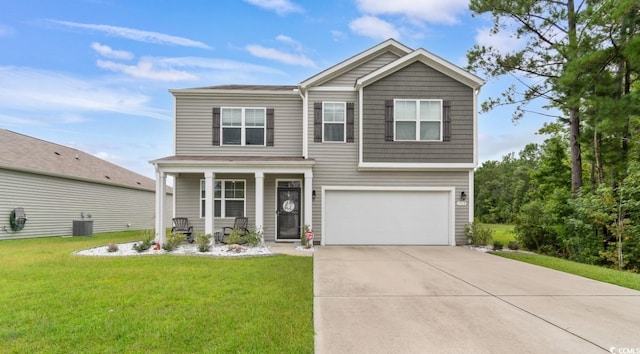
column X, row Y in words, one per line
column 450, row 190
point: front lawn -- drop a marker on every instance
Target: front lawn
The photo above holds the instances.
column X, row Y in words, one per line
column 607, row 275
column 55, row 302
column 501, row 232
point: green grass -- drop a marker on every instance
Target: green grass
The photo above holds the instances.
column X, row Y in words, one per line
column 55, row 302
column 607, row 275
column 501, row 232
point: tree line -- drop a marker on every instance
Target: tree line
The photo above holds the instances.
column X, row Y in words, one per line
column 576, row 195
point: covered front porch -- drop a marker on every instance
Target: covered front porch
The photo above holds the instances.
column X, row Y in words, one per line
column 212, row 190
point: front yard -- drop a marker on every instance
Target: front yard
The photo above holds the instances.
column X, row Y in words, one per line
column 52, row 301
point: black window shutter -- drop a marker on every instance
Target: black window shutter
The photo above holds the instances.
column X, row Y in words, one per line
column 350, row 121
column 446, row 120
column 216, row 126
column 270, row 124
column 317, row 122
column 388, row 120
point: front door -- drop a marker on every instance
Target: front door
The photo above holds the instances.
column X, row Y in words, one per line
column 288, row 211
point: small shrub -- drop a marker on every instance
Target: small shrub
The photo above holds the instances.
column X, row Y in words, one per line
column 547, row 250
column 173, row 241
column 478, row 234
column 147, row 237
column 234, row 237
column 255, row 238
column 112, row 247
column 202, row 240
column 497, row 245
column 513, row 245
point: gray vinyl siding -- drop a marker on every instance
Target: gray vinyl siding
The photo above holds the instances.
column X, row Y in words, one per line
column 187, row 189
column 349, row 78
column 52, row 203
column 194, row 124
column 187, row 194
column 337, row 165
column 418, row 81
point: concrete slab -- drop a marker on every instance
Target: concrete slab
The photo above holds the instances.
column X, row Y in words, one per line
column 450, row 299
column 608, row 321
column 387, row 278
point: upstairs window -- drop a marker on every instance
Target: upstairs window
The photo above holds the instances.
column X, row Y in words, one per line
column 333, row 121
column 418, row 120
column 243, row 126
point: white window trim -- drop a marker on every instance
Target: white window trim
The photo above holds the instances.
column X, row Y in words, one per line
column 243, row 127
column 344, row 122
column 222, row 198
column 417, row 118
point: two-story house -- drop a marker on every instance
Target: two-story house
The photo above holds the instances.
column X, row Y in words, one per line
column 378, row 149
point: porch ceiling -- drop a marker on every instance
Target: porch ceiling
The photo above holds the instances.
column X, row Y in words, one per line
column 181, row 163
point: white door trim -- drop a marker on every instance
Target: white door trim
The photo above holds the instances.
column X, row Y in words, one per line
column 275, row 231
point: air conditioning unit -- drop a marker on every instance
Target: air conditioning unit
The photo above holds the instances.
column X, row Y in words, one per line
column 82, row 228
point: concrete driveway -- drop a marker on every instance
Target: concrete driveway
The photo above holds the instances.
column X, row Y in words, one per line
column 410, row 299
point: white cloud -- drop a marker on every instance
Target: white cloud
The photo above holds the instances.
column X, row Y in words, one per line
column 374, row 27
column 502, row 41
column 281, row 7
column 5, row 31
column 215, row 64
column 44, row 95
column 145, row 69
column 338, row 36
column 107, row 52
column 290, row 41
column 136, row 35
column 434, row 11
column 280, row 56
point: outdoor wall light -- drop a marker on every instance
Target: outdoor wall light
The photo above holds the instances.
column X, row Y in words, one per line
column 463, row 196
column 313, row 195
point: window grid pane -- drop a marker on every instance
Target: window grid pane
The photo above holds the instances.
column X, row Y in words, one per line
column 430, row 111
column 231, row 136
column 334, row 132
column 231, row 117
column 405, row 131
column 228, row 198
column 255, row 117
column 430, row 131
column 405, row 110
column 254, row 136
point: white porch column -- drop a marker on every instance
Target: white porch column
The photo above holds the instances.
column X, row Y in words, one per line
column 161, row 183
column 259, row 200
column 308, row 199
column 209, row 177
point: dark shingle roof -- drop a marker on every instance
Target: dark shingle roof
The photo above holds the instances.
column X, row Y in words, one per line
column 21, row 152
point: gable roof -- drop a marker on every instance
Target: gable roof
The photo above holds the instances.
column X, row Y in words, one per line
column 390, row 45
column 24, row 153
column 428, row 59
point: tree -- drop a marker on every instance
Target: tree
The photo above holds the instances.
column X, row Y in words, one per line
column 552, row 33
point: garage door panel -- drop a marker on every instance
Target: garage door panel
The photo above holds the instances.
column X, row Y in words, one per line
column 365, row 217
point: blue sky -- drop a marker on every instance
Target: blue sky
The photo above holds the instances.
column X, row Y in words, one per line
column 95, row 74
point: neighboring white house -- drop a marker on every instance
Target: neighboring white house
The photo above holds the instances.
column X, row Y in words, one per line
column 56, row 185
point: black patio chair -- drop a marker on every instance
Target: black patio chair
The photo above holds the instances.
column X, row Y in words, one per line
column 240, row 223
column 181, row 225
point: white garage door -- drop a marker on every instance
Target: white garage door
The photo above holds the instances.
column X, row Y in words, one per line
column 386, row 217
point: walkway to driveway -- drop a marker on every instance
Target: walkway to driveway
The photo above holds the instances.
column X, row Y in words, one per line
column 454, row 300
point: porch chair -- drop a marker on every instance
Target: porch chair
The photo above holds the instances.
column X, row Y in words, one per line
column 181, row 225
column 238, row 223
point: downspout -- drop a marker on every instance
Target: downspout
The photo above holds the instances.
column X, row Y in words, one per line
column 305, row 122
